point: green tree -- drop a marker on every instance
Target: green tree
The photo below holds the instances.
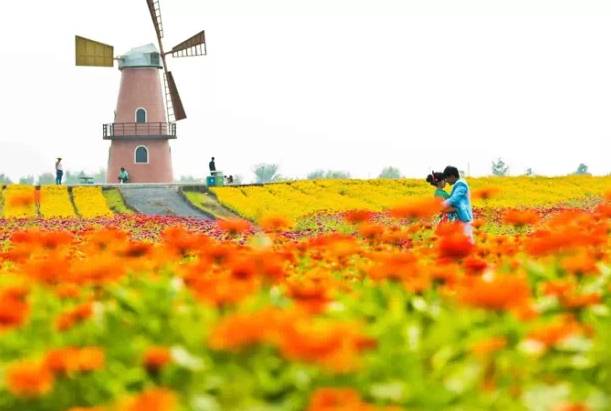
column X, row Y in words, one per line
column 4, row 179
column 266, row 173
column 190, row 180
column 390, row 173
column 336, row 174
column 100, row 176
column 582, row 169
column 529, row 172
column 28, row 180
column 46, row 178
column 499, row 168
column 328, row 175
column 316, row 175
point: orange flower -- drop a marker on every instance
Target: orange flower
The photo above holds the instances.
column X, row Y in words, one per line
column 156, row 358
column 552, row 334
column 335, row 399
column 157, row 399
column 52, row 269
column 422, row 208
column 580, row 301
column 75, row 316
column 72, row 359
column 90, row 359
column 496, row 293
column 66, row 291
column 575, row 406
column 233, row 226
column 489, row 345
column 453, row 243
column 520, row 218
column 21, row 199
column 485, row 193
column 474, row 264
column 13, row 307
column 28, row 379
column 298, row 336
column 394, row 266
column 358, row 216
column 580, row 264
column 62, row 360
column 275, row 224
column 371, row 231
column 341, row 399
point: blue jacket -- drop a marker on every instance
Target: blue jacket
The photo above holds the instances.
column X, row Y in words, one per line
column 460, row 199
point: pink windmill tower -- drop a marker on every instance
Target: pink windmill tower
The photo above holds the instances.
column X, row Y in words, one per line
column 147, row 107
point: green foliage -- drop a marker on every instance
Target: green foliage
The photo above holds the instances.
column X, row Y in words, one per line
column 208, row 204
column 266, row 173
column 46, row 178
column 4, row 179
column 499, row 168
column 582, row 169
column 115, row 202
column 390, row 173
column 27, row 180
column 316, row 175
column 190, row 179
column 328, row 175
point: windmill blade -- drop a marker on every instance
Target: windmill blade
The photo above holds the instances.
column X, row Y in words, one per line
column 93, row 53
column 194, row 46
column 155, row 11
column 174, row 98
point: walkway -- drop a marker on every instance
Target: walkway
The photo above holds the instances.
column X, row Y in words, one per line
column 158, row 200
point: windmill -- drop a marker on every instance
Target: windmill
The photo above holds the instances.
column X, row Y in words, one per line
column 146, row 110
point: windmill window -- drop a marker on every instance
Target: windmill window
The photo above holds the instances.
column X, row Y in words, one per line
column 154, row 59
column 141, row 155
column 141, row 115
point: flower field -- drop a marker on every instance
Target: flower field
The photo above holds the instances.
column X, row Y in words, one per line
column 51, row 201
column 372, row 306
column 295, row 200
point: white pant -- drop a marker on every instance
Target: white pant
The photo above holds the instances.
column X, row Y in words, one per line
column 468, row 230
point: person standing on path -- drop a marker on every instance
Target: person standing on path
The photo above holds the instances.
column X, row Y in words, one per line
column 212, row 166
column 59, row 171
column 460, row 199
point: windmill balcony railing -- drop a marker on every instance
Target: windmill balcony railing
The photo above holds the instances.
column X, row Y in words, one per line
column 120, row 131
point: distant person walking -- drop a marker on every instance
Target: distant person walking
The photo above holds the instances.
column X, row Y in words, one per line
column 212, row 166
column 460, row 199
column 59, row 171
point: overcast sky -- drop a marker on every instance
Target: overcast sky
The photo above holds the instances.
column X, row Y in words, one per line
column 352, row 85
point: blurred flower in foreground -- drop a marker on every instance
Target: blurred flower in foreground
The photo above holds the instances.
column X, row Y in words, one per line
column 28, row 379
column 421, row 208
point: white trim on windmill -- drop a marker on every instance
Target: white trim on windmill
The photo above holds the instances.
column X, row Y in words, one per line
column 146, row 151
column 146, row 115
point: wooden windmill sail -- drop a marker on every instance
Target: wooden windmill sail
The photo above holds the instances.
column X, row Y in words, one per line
column 95, row 54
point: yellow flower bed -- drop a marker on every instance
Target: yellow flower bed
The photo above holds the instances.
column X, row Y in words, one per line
column 19, row 201
column 90, row 202
column 299, row 198
column 55, row 202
